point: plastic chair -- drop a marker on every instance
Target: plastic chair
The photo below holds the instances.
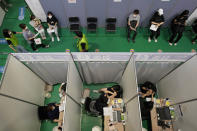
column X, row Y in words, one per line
column 74, row 23
column 92, row 24
column 110, row 25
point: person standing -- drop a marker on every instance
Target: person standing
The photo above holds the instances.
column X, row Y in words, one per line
column 133, row 23
column 156, row 21
column 178, row 26
column 82, row 43
column 52, row 23
column 36, row 23
column 4, row 5
column 29, row 37
column 13, row 41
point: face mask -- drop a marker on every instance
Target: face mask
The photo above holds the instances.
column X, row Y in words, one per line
column 134, row 15
column 50, row 16
column 9, row 32
column 26, row 28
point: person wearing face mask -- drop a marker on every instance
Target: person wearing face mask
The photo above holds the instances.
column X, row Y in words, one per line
column 13, row 41
column 133, row 23
column 36, row 23
column 156, row 21
column 178, row 26
column 29, row 37
column 52, row 23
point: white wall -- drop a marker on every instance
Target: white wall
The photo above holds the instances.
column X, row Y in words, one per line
column 22, row 83
column 192, row 17
column 18, row 116
column 129, row 85
column 37, row 9
column 181, row 85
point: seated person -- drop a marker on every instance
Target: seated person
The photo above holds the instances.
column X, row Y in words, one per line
column 62, row 89
column 112, row 92
column 147, row 90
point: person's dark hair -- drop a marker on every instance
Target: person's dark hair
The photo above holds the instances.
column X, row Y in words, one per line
column 136, row 12
column 22, row 26
column 150, row 85
column 60, row 128
column 50, row 13
column 49, row 108
column 64, row 87
column 185, row 12
column 79, row 34
column 5, row 33
column 116, row 88
column 32, row 17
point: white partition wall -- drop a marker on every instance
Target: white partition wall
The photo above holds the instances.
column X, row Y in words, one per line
column 18, row 116
column 129, row 85
column 22, row 83
column 181, row 85
column 72, row 116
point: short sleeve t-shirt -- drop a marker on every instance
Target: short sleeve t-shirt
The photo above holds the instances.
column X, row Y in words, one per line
column 157, row 18
column 133, row 20
column 52, row 21
column 27, row 34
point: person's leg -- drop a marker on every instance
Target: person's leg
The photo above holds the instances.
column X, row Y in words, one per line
column 180, row 34
column 134, row 35
column 42, row 33
column 44, row 46
column 50, row 34
column 157, row 33
column 33, row 45
column 128, row 33
column 152, row 34
column 3, row 6
column 21, row 49
column 171, row 40
column 56, row 33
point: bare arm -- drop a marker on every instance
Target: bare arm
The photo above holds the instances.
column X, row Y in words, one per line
column 11, row 46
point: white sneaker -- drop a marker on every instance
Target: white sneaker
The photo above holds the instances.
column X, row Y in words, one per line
column 149, row 40
column 52, row 39
column 175, row 44
column 156, row 40
column 58, row 39
column 170, row 44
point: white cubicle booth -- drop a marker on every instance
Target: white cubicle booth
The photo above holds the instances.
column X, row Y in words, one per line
column 25, row 76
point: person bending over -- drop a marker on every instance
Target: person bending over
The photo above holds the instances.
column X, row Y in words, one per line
column 133, row 23
column 156, row 21
column 53, row 112
column 82, row 43
column 29, row 37
column 177, row 27
column 13, row 41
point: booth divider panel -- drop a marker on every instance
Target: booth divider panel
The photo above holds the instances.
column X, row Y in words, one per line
column 18, row 116
column 180, row 85
column 22, row 83
column 72, row 116
column 130, row 90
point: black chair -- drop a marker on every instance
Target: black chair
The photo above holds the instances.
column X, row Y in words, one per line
column 110, row 25
column 90, row 107
column 91, row 24
column 74, row 23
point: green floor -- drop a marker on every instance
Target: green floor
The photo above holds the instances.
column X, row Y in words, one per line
column 110, row 42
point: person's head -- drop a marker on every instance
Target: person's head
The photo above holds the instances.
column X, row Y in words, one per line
column 160, row 12
column 50, row 108
column 116, row 88
column 185, row 13
column 32, row 17
column 23, row 26
column 149, row 86
column 79, row 34
column 136, row 12
column 6, row 32
column 49, row 14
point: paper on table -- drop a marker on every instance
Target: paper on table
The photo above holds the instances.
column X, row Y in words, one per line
column 153, row 27
column 107, row 111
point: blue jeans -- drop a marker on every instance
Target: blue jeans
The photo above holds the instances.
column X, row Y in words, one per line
column 21, row 49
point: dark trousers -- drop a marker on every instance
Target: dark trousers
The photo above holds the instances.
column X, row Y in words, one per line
column 174, row 35
column 154, row 34
column 34, row 46
column 129, row 33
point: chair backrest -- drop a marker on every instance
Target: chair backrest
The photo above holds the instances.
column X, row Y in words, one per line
column 92, row 20
column 111, row 20
column 73, row 19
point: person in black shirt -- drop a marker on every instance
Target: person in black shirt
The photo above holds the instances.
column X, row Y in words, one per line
column 52, row 23
column 156, row 21
column 194, row 27
column 178, row 26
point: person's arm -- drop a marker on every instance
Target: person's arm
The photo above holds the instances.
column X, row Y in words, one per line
column 137, row 25
column 161, row 23
column 57, row 120
column 12, row 47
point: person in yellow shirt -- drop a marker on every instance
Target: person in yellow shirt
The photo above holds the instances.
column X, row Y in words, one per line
column 82, row 43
